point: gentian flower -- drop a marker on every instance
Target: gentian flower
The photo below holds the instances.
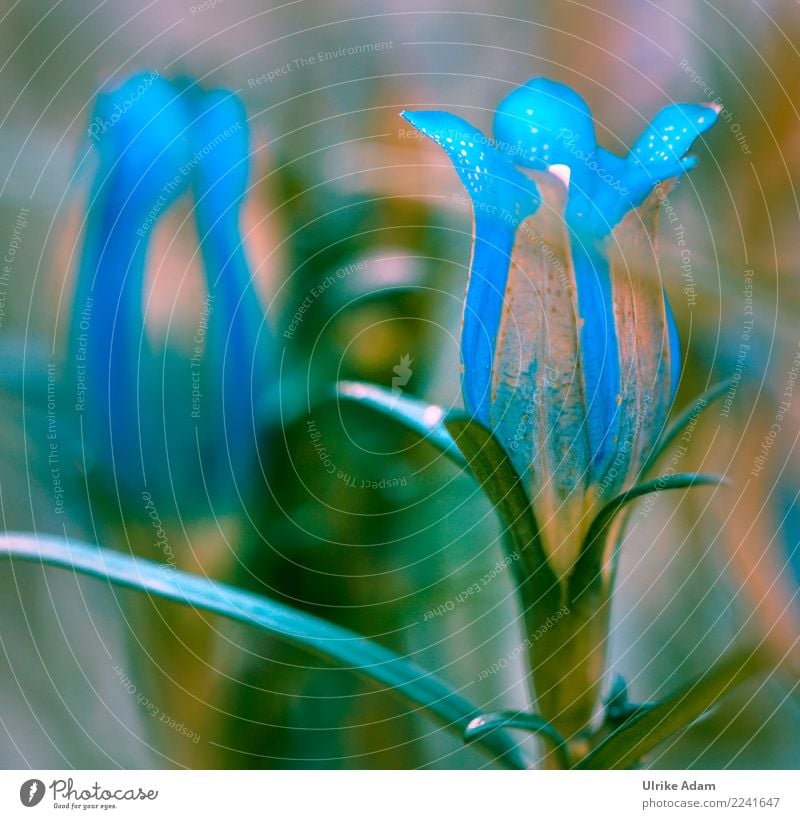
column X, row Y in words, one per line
column 180, row 425
column 569, row 354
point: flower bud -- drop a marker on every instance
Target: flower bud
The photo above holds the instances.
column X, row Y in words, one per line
column 569, row 354
column 157, row 141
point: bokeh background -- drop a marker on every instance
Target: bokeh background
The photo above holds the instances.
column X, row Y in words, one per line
column 91, row 676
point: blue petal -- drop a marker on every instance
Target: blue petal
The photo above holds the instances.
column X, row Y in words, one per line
column 220, row 161
column 483, row 308
column 668, row 138
column 661, row 151
column 599, row 195
column 787, row 511
column 235, row 355
column 501, row 198
column 139, row 131
column 497, row 189
column 599, row 349
column 545, row 123
column 674, row 349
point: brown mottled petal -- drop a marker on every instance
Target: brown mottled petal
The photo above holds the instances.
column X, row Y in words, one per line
column 538, row 405
column 642, row 336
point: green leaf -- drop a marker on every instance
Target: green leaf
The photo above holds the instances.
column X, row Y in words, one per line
column 418, row 416
column 504, row 488
column 539, row 589
column 588, row 572
column 533, row 723
column 683, row 420
column 358, row 654
column 646, row 730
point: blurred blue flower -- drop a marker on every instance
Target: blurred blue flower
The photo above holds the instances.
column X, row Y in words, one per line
column 569, row 351
column 182, row 426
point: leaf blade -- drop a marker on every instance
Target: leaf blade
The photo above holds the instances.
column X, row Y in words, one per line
column 500, row 482
column 589, row 566
column 522, row 720
column 414, row 414
column 353, row 652
column 645, row 731
column 683, row 419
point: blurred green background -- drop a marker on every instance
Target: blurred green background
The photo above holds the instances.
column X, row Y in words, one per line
column 95, row 677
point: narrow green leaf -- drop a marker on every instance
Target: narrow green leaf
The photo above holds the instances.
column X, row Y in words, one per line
column 588, row 571
column 533, row 723
column 503, row 486
column 646, row 730
column 358, row 654
column 419, row 416
column 684, row 418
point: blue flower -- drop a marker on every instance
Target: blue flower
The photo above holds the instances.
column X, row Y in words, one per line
column 568, row 351
column 181, row 425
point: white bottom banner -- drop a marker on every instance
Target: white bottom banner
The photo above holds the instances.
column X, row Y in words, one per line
column 419, row 794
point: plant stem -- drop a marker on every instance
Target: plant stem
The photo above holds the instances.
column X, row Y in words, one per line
column 567, row 652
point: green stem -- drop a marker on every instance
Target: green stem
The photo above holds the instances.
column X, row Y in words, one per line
column 566, row 651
